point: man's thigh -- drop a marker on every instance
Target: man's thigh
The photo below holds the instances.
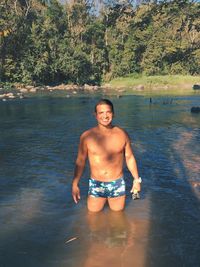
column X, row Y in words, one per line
column 95, row 204
column 117, row 203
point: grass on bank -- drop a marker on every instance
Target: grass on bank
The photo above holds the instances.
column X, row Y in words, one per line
column 153, row 82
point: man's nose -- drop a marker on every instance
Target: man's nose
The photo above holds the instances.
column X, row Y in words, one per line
column 105, row 115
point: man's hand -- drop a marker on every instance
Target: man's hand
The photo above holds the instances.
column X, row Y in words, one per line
column 136, row 187
column 76, row 193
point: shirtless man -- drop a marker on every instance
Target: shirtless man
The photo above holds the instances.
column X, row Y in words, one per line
column 106, row 147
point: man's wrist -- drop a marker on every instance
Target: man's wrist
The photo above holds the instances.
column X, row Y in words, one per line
column 74, row 182
column 137, row 181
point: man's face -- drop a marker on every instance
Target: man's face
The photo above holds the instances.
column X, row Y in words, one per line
column 104, row 114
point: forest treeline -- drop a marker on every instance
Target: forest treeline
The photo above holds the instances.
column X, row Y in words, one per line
column 48, row 42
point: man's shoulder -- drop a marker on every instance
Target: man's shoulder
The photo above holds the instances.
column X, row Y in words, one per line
column 88, row 132
column 120, row 130
column 122, row 134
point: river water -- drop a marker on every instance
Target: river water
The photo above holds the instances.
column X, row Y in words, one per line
column 40, row 226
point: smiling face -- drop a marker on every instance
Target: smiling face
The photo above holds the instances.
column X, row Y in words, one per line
column 104, row 115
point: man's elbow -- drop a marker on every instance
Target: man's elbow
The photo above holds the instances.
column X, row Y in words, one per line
column 80, row 162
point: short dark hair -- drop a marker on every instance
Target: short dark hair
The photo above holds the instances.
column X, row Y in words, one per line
column 105, row 102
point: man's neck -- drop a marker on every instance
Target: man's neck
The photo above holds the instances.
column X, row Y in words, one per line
column 105, row 129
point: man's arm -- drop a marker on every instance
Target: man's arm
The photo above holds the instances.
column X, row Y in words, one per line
column 131, row 164
column 79, row 168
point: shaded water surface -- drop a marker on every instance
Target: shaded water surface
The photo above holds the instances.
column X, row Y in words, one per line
column 41, row 226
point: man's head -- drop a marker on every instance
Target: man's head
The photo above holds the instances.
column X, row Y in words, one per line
column 104, row 112
column 104, row 102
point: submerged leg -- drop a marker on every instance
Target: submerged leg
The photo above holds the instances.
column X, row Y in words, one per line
column 117, row 203
column 95, row 204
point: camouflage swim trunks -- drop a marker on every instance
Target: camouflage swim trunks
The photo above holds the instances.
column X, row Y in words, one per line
column 114, row 188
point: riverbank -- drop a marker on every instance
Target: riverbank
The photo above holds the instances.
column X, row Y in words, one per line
column 133, row 84
column 141, row 82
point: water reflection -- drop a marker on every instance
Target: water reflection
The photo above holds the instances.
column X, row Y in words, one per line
column 111, row 239
column 189, row 156
column 111, row 235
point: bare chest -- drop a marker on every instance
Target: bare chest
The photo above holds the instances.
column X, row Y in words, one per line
column 104, row 145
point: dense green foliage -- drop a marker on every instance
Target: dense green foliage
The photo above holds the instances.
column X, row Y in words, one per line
column 49, row 42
